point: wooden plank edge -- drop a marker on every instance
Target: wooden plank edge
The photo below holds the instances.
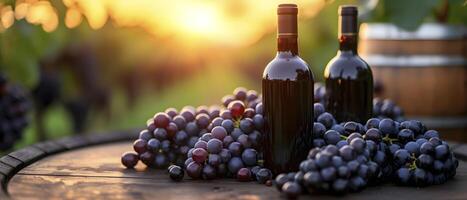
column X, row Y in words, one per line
column 15, row 161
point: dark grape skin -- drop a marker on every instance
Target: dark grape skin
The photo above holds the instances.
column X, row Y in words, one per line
column 194, row 170
column 147, row 158
column 280, row 180
column 129, row 159
column 372, row 123
column 209, row 172
column 318, row 109
column 235, row 149
column 188, row 115
column 427, row 148
column 425, row 161
column 226, row 114
column 251, row 95
column 179, row 121
column 171, row 129
column 202, row 120
column 181, row 137
column 373, row 134
column 219, row 132
column 258, row 121
column 160, row 134
column 202, row 109
column 240, row 93
column 291, row 189
column 236, row 133
column 161, row 120
column 228, row 125
column 227, row 99
column 255, row 138
column 236, row 108
column 225, row 155
column 412, row 148
column 259, row 108
column 263, row 175
column 401, row 157
column 249, row 157
column 140, row 146
column 145, row 135
column 160, row 161
column 244, row 175
column 388, row 127
column 318, row 130
column 254, row 170
column 214, row 111
column 406, row 135
column 332, row 137
column 326, row 119
column 216, row 122
column 154, row 145
column 227, row 140
column 214, row 146
column 249, row 113
column 235, row 164
column 201, row 144
column 172, row 112
column 199, row 155
column 214, row 159
column 176, row 173
column 206, row 137
column 441, row 152
column 247, row 125
column 347, row 152
column 244, row 141
column 351, row 127
column 431, row 134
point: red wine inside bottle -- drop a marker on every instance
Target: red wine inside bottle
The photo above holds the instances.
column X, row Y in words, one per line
column 288, row 99
column 349, row 81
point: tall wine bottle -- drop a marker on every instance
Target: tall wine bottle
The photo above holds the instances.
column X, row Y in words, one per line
column 288, row 99
column 349, row 81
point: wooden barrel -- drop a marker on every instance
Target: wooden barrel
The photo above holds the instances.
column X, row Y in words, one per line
column 424, row 71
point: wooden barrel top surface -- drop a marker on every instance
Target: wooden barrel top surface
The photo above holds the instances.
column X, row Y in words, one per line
column 96, row 173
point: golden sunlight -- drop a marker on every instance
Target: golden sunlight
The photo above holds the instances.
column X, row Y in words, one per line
column 222, row 22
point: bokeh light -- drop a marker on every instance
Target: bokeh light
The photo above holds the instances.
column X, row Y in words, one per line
column 191, row 22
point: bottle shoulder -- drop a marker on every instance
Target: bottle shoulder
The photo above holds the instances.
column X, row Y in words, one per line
column 347, row 66
column 286, row 67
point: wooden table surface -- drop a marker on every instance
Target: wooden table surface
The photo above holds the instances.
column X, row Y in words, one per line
column 96, row 173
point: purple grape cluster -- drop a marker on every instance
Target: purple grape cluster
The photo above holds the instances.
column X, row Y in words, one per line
column 225, row 141
column 335, row 169
column 207, row 142
column 231, row 147
column 382, row 108
column 14, row 106
column 169, row 135
column 383, row 150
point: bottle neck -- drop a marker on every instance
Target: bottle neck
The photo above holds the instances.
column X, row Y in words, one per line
column 348, row 33
column 348, row 43
column 287, row 44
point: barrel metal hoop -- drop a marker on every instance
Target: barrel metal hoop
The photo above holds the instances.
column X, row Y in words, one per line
column 379, row 60
column 443, row 122
column 427, row 31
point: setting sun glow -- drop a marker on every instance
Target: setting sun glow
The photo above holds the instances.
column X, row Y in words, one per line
column 222, row 22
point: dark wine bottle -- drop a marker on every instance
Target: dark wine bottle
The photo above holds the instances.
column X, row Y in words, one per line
column 349, row 81
column 287, row 98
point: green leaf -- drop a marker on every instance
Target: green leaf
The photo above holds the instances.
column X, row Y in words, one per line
column 409, row 14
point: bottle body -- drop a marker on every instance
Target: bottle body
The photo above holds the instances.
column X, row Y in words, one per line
column 288, row 111
column 349, row 88
column 348, row 78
